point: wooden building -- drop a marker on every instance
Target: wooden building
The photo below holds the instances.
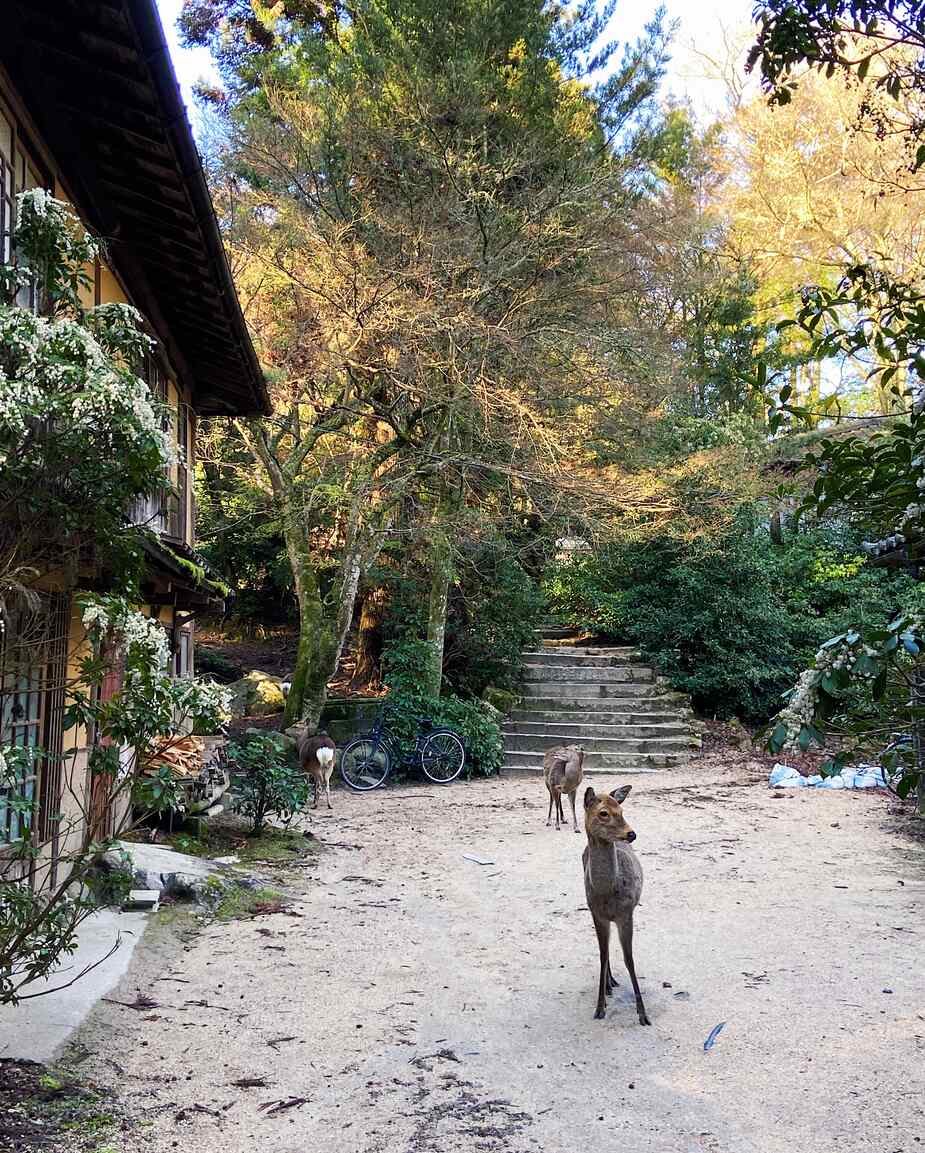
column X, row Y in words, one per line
column 90, row 110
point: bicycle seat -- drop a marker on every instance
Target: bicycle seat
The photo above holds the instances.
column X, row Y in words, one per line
column 427, row 723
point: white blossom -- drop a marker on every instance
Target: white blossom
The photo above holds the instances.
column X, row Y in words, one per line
column 137, row 635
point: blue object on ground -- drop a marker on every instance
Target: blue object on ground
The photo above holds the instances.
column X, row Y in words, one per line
column 714, row 1033
column 851, row 777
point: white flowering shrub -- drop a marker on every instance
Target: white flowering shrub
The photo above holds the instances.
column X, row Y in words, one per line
column 150, row 705
column 81, row 437
column 865, row 687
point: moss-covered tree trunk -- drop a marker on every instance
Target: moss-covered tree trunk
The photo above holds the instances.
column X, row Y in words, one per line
column 312, row 624
column 327, row 652
column 323, row 626
column 441, row 571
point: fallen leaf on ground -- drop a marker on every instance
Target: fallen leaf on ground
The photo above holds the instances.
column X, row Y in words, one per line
column 272, row 1107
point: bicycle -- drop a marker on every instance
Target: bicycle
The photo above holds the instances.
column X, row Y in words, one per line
column 367, row 761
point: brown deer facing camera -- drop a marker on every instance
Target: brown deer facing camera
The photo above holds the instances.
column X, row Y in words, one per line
column 562, row 772
column 316, row 756
column 613, row 886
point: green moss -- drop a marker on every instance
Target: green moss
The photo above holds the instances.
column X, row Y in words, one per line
column 197, row 573
column 237, row 902
column 60, row 1109
column 173, row 916
column 274, row 845
column 277, row 845
column 504, row 701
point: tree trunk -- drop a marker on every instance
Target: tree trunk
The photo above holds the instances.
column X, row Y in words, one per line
column 330, row 644
column 321, row 639
column 368, row 673
column 311, row 623
column 440, row 572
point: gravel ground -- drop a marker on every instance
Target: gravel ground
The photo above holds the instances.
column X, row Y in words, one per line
column 413, row 1000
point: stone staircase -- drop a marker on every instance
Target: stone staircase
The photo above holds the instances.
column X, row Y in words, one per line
column 604, row 699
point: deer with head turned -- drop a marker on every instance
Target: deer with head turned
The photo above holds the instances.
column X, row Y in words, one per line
column 562, row 773
column 316, row 756
column 613, row 886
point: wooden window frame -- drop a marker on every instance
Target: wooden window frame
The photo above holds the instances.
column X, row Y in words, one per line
column 25, row 158
column 41, row 685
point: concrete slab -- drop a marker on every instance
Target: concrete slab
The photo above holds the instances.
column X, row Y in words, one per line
column 156, row 861
column 36, row 1030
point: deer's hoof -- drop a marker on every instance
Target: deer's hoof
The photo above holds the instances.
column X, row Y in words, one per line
column 600, row 1015
column 644, row 1020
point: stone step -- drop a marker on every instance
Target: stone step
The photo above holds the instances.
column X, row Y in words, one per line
column 604, row 697
column 583, row 650
column 599, row 745
column 633, row 714
column 632, row 702
column 573, row 674
column 582, row 658
column 597, row 762
column 582, row 690
column 562, row 728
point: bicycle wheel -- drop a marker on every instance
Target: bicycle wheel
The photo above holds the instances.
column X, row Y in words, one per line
column 442, row 757
column 364, row 764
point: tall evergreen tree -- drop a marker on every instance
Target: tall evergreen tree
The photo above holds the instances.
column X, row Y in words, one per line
column 426, row 203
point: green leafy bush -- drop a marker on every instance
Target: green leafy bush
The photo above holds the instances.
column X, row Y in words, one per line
column 734, row 620
column 583, row 591
column 267, row 781
column 477, row 723
column 404, row 656
column 494, row 610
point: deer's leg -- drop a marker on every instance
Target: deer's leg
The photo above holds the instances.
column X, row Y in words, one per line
column 625, row 929
column 317, row 781
column 602, row 928
column 549, row 814
column 560, row 815
column 571, row 798
column 612, row 981
column 327, row 788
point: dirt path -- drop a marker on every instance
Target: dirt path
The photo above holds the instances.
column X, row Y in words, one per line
column 423, row 1002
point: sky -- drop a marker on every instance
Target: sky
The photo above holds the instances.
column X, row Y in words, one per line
column 701, row 26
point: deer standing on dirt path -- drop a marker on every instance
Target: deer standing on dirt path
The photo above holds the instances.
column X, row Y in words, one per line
column 613, row 886
column 316, row 756
column 562, row 773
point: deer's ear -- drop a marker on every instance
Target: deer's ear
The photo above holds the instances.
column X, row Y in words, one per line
column 590, row 797
column 620, row 795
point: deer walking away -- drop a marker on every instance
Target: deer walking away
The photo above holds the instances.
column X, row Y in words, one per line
column 316, row 756
column 562, row 771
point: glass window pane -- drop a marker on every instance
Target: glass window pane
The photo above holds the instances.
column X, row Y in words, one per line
column 6, row 137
